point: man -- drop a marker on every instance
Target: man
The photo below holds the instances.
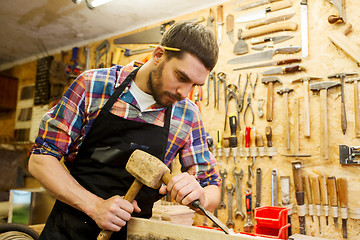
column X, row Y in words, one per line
column 108, row 113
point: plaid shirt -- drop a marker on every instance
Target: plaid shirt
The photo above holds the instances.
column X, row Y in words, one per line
column 63, row 127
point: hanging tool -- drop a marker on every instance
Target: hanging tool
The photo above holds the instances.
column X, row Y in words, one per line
column 356, row 105
column 286, row 91
column 324, row 196
column 258, row 187
column 299, row 193
column 231, row 90
column 267, row 21
column 230, row 192
column 253, row 85
column 210, row 20
column 304, row 29
column 248, row 224
column 233, row 138
column 275, row 63
column 241, row 95
column 221, row 79
column 211, row 78
column 230, row 27
column 341, row 41
column 309, row 196
column 317, row 199
column 285, row 197
column 248, row 105
column 323, row 88
column 268, row 134
column 274, row 188
column 272, row 39
column 333, row 197
column 348, row 154
column 260, row 102
column 306, row 80
column 284, row 70
column 253, row 149
column 343, row 200
column 223, row 175
column 102, row 50
column 266, row 55
column 270, row 95
column 241, row 46
column 220, row 22
column 247, row 153
column 259, row 14
column 260, row 144
column 340, row 5
column 342, row 76
column 238, row 176
column 254, row 4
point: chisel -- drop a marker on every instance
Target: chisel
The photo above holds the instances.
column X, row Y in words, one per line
column 331, row 182
column 316, row 193
column 343, row 200
column 309, row 196
column 299, row 193
column 324, row 197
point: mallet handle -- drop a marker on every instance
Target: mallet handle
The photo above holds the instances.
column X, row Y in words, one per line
column 130, row 196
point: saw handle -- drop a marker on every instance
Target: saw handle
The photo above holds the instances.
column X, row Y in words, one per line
column 130, row 196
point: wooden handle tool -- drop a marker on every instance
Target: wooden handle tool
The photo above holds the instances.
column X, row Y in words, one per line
column 333, row 198
column 343, row 200
column 275, row 27
column 309, row 196
column 299, row 192
column 317, row 199
column 324, row 197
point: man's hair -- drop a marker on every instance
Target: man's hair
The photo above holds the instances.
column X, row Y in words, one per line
column 193, row 38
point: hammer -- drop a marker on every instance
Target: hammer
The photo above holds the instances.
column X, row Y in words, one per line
column 270, row 95
column 356, row 105
column 286, row 114
column 323, row 87
column 342, row 76
column 149, row 170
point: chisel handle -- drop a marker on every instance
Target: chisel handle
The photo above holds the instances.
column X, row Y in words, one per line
column 316, row 190
column 220, row 16
column 331, row 182
column 268, row 134
column 297, row 174
column 324, row 190
column 308, row 189
column 343, row 192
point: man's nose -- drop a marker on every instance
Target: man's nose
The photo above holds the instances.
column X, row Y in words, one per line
column 184, row 90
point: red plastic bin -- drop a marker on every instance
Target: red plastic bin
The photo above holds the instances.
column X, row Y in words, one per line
column 275, row 233
column 272, row 217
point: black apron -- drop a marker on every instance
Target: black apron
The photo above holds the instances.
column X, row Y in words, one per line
column 100, row 168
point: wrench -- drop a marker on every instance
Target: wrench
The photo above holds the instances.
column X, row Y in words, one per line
column 274, row 188
column 223, row 175
column 248, row 224
column 230, row 191
column 258, row 187
column 238, row 176
column 250, row 174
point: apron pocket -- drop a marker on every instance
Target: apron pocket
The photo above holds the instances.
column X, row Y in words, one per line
column 110, row 156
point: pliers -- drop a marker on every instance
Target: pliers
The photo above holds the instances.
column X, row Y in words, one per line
column 211, row 78
column 231, row 94
column 248, row 105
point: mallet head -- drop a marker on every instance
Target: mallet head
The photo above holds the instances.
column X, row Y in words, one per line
column 146, row 168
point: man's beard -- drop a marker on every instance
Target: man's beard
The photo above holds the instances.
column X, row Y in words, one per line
column 155, row 85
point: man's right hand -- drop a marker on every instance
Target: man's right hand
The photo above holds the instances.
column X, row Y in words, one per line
column 113, row 213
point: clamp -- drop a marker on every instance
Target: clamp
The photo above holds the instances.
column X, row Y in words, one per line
column 248, row 105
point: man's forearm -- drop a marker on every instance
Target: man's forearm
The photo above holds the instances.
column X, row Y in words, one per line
column 58, row 181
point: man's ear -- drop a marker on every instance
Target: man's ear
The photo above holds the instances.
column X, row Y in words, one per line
column 158, row 54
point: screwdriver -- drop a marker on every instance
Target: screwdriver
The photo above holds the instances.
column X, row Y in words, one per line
column 343, row 200
column 331, row 182
column 233, row 138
